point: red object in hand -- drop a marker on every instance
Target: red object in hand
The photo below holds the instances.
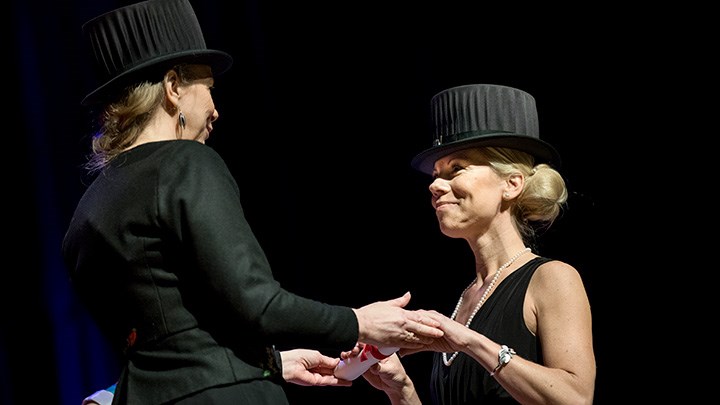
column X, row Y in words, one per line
column 353, row 367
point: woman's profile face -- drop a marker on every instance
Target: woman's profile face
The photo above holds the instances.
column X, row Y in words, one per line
column 197, row 104
column 466, row 193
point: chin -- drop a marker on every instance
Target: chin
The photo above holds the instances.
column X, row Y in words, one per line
column 450, row 231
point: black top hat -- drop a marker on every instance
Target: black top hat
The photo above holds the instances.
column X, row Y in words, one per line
column 142, row 41
column 484, row 115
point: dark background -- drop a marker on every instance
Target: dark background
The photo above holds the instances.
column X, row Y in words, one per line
column 319, row 117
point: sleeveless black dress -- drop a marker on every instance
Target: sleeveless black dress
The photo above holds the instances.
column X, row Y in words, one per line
column 465, row 381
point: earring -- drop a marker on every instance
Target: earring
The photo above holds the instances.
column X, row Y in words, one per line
column 506, row 194
column 181, row 120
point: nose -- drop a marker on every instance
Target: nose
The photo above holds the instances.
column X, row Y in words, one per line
column 438, row 187
column 215, row 115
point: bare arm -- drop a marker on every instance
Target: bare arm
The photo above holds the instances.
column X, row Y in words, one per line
column 557, row 310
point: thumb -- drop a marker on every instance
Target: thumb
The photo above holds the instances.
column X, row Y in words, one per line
column 328, row 362
column 402, row 301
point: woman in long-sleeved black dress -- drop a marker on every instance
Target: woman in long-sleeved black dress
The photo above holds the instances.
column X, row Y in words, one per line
column 188, row 297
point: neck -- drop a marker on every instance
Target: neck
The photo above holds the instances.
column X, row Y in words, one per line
column 487, row 262
column 487, row 290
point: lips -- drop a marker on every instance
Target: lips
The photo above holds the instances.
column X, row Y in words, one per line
column 441, row 204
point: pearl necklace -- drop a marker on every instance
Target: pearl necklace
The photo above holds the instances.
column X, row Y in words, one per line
column 449, row 361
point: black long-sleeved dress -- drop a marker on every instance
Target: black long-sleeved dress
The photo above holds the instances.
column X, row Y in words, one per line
column 188, row 294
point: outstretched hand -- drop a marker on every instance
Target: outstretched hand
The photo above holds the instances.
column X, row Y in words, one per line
column 455, row 337
column 388, row 375
column 310, row 368
column 387, row 323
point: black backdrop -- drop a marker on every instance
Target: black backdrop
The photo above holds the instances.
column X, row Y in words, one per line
column 319, row 118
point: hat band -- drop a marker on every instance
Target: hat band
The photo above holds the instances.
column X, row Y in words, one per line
column 440, row 139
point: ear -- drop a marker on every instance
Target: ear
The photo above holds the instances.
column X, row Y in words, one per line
column 514, row 185
column 171, row 84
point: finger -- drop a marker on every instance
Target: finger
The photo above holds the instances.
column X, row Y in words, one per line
column 334, row 381
column 326, row 371
column 328, row 362
column 410, row 337
column 402, row 301
column 434, row 315
column 425, row 318
column 415, row 341
column 428, row 331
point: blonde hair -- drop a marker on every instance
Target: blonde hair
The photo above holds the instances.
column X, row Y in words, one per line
column 122, row 121
column 545, row 193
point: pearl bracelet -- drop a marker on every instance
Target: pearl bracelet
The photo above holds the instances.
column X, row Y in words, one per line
column 504, row 356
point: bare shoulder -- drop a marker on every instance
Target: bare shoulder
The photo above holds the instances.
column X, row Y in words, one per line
column 554, row 271
column 556, row 279
column 556, row 296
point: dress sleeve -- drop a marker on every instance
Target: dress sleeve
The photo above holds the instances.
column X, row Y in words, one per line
column 199, row 201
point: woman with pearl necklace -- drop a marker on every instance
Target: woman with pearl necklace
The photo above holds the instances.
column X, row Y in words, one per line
column 521, row 331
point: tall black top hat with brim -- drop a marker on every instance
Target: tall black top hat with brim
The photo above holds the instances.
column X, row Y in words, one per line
column 479, row 115
column 142, row 41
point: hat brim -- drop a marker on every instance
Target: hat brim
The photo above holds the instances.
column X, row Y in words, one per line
column 541, row 150
column 155, row 68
